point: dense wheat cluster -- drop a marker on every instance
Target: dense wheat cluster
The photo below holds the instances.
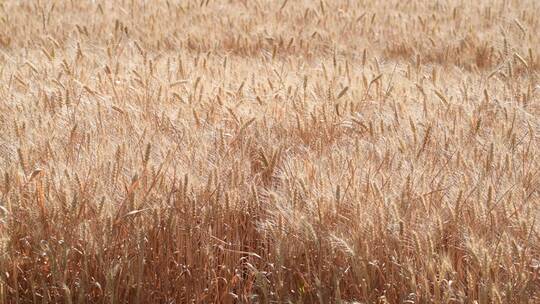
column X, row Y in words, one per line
column 269, row 151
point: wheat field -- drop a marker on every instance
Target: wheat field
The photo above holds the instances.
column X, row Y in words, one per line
column 255, row 151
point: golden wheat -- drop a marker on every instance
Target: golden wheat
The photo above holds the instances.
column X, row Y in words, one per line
column 269, row 151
